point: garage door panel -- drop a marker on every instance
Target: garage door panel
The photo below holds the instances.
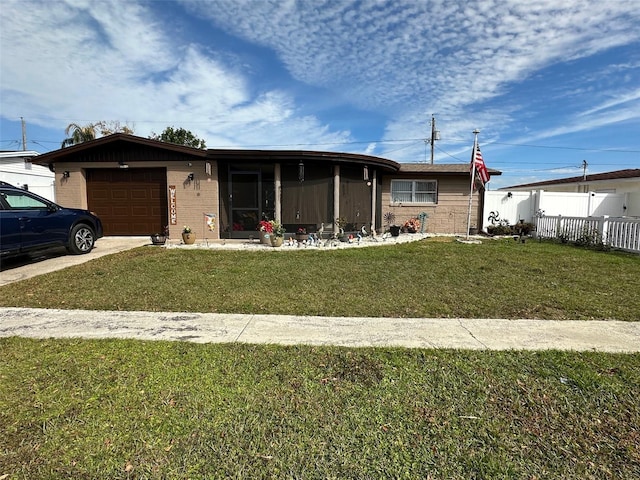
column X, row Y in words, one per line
column 129, row 202
column 118, row 195
column 140, row 211
column 101, row 194
column 139, row 194
column 120, row 210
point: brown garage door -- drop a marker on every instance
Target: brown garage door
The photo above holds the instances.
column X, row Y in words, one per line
column 129, row 201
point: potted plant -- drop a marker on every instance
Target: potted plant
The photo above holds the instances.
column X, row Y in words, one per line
column 389, row 219
column 277, row 233
column 160, row 238
column 412, row 225
column 188, row 237
column 301, row 234
column 266, row 229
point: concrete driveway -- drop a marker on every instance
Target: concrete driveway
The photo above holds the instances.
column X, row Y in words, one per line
column 14, row 269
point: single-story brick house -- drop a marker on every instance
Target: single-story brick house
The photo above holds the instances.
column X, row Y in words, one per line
column 138, row 185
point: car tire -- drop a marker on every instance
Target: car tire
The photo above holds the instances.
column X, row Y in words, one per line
column 81, row 240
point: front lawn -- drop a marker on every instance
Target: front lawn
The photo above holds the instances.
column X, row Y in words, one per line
column 125, row 409
column 431, row 278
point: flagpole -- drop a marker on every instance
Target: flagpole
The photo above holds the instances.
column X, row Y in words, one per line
column 473, row 178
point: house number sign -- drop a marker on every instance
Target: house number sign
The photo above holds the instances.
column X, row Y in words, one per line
column 173, row 215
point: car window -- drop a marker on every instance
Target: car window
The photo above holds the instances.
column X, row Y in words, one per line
column 22, row 201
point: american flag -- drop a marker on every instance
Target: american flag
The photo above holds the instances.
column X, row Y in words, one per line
column 478, row 162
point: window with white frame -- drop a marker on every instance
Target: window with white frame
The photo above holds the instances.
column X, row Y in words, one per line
column 414, row 191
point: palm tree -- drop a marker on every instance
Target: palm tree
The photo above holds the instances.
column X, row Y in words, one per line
column 77, row 134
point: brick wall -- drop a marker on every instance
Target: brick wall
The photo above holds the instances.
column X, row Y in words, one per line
column 448, row 216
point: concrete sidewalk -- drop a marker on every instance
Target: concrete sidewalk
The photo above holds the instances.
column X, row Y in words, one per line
column 490, row 334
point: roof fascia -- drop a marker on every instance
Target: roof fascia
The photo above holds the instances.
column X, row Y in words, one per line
column 56, row 155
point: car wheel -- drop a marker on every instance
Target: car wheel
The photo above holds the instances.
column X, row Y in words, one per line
column 81, row 239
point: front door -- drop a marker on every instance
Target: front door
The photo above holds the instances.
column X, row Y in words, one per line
column 244, row 200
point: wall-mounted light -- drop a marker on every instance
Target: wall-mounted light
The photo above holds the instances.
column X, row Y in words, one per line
column 190, row 177
column 65, row 174
column 509, row 194
column 301, row 172
column 365, row 173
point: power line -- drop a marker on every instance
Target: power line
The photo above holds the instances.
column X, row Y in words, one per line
column 413, row 141
column 566, row 148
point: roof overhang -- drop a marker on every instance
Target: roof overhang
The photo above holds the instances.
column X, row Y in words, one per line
column 290, row 156
column 19, row 154
column 75, row 152
column 457, row 169
column 627, row 175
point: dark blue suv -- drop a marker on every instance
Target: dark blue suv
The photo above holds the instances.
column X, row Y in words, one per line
column 29, row 222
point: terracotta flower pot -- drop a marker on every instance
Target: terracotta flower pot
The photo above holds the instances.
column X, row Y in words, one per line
column 189, row 238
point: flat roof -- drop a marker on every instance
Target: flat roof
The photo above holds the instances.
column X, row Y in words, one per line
column 615, row 175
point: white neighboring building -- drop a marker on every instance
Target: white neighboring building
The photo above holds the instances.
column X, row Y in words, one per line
column 16, row 168
column 619, row 181
column 625, row 183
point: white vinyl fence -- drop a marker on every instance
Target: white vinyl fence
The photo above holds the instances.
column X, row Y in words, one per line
column 512, row 207
column 620, row 233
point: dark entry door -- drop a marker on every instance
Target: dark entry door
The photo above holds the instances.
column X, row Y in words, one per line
column 244, row 199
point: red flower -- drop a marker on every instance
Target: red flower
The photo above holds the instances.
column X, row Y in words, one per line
column 265, row 226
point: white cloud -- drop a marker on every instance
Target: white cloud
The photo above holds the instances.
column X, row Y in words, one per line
column 82, row 61
column 92, row 61
column 412, row 58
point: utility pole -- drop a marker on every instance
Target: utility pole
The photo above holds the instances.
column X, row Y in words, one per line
column 435, row 135
column 584, row 170
column 24, row 135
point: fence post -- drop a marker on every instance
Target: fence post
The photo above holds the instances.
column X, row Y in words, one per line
column 603, row 228
column 590, row 196
column 558, row 226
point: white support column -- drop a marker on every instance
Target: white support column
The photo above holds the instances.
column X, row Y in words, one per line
column 374, row 198
column 278, row 187
column 336, row 197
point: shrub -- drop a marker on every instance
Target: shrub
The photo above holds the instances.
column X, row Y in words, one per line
column 499, row 230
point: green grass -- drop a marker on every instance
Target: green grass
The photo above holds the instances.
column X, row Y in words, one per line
column 155, row 410
column 131, row 409
column 498, row 279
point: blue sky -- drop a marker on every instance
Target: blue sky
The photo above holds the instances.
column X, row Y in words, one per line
column 548, row 83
